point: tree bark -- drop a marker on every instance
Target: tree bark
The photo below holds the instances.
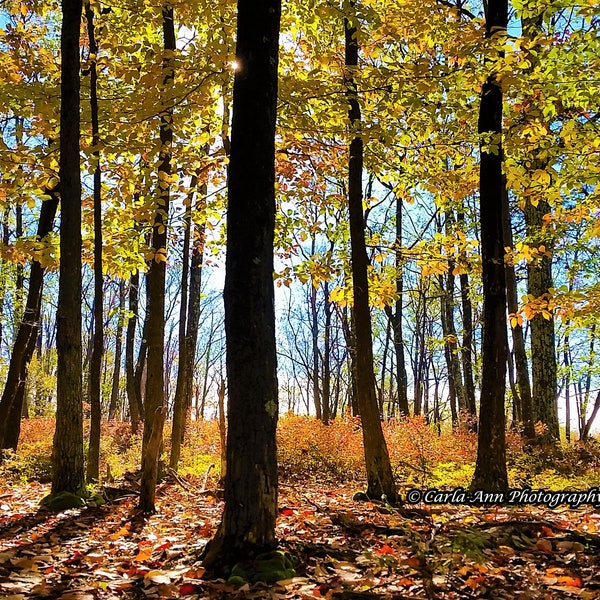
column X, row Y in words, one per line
column 520, row 354
column 11, row 403
column 132, row 396
column 155, row 392
column 395, row 316
column 467, row 338
column 248, row 524
column 543, row 342
column 380, row 479
column 93, row 457
column 116, row 378
column 67, row 449
column 183, row 392
column 490, row 469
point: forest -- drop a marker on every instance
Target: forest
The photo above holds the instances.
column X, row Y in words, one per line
column 299, row 299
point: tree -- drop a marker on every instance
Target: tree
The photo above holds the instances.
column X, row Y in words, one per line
column 154, row 410
column 93, row 457
column 380, row 479
column 116, row 379
column 248, row 523
column 490, row 470
column 67, row 449
column 11, row 404
column 187, row 353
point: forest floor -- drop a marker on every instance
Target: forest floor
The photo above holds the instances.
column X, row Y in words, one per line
column 348, row 550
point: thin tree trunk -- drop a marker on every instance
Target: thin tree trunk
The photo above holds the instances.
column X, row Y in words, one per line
column 183, row 394
column 154, row 409
column 67, row 449
column 380, row 479
column 222, row 429
column 132, row 397
column 396, row 316
column 116, row 378
column 182, row 380
column 326, row 416
column 93, row 457
column 26, row 338
column 543, row 343
column 314, row 330
column 467, row 338
column 490, row 469
column 3, row 273
column 521, row 366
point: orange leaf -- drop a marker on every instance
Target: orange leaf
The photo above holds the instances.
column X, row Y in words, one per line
column 570, row 581
column 119, row 534
column 144, row 554
column 475, row 581
column 385, row 549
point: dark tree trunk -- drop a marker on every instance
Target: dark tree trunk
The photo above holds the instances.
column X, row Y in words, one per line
column 314, row 330
column 3, row 272
column 116, row 378
column 154, row 411
column 467, row 338
column 93, row 457
column 183, row 383
column 183, row 392
column 350, row 339
column 11, row 403
column 20, row 278
column 543, row 344
column 248, row 524
column 396, row 316
column 326, row 414
column 132, row 396
column 520, row 354
column 490, row 470
column 67, row 450
column 455, row 384
column 380, row 479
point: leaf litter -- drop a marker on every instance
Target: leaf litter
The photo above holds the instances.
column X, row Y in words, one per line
column 348, row 550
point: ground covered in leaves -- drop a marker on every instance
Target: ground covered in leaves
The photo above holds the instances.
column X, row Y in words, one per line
column 347, row 550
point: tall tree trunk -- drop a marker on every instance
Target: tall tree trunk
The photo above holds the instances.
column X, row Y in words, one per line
column 328, row 308
column 314, row 330
column 490, row 469
column 539, row 283
column 11, row 403
column 182, row 381
column 455, row 385
column 521, row 367
column 4, row 266
column 248, row 524
column 67, row 450
column 396, row 316
column 467, row 337
column 116, row 378
column 20, row 277
column 183, row 392
column 380, row 479
column 543, row 341
column 132, row 396
column 155, row 392
column 93, row 457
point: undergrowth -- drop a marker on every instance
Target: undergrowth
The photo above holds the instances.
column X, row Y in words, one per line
column 421, row 455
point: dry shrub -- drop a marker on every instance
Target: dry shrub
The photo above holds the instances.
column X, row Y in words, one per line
column 201, row 449
column 308, row 448
column 422, row 454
